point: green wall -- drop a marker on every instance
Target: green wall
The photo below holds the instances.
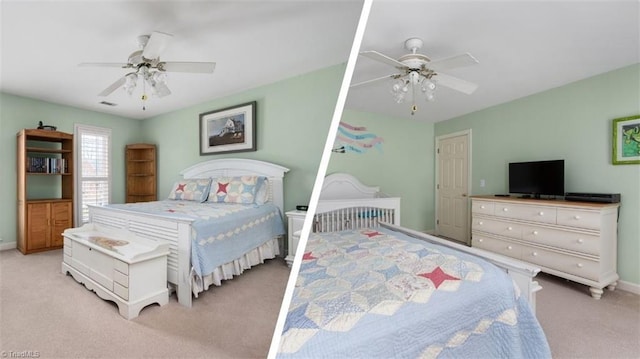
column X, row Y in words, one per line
column 293, row 118
column 573, row 123
column 403, row 169
column 18, row 112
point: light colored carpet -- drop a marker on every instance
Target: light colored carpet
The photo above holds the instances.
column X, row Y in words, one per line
column 578, row 326
column 48, row 313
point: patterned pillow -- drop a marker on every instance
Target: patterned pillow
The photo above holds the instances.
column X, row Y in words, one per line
column 191, row 190
column 235, row 189
column 262, row 194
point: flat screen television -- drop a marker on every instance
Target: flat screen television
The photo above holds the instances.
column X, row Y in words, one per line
column 537, row 178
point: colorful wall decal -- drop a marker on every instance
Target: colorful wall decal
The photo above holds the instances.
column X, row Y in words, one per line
column 356, row 139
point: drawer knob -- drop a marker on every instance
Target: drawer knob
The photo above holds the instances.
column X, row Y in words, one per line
column 480, row 240
column 535, row 233
column 576, row 217
column 481, row 207
column 580, row 265
column 480, row 223
column 580, row 240
column 541, row 213
column 510, row 228
column 505, row 209
column 509, row 247
column 535, row 254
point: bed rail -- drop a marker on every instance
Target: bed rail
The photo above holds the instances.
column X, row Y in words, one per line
column 352, row 218
column 339, row 215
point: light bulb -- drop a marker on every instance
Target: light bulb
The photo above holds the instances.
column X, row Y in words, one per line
column 159, row 77
column 429, row 96
column 429, row 85
column 130, row 82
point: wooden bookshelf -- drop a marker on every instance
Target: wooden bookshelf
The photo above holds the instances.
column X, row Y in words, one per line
column 141, row 172
column 45, row 188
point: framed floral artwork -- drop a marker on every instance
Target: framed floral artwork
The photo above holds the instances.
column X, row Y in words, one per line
column 626, row 140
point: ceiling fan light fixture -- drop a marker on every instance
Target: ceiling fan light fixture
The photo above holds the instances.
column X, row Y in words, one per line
column 418, row 73
column 130, row 83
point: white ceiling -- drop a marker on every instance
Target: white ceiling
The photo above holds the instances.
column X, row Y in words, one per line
column 253, row 43
column 524, row 47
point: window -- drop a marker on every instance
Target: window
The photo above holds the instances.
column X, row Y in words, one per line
column 93, row 168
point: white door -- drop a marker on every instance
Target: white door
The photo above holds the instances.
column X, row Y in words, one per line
column 452, row 186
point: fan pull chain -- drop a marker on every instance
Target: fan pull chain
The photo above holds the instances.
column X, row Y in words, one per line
column 414, row 107
column 144, row 94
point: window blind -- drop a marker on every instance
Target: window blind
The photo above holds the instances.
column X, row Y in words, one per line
column 93, row 161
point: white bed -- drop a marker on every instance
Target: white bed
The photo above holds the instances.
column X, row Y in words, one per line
column 343, row 197
column 178, row 232
column 362, row 289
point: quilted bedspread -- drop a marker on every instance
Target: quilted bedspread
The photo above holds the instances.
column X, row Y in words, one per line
column 381, row 294
column 221, row 232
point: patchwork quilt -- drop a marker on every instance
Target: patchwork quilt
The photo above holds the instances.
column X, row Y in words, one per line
column 221, row 232
column 381, row 294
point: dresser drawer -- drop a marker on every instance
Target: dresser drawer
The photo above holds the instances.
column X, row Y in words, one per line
column 580, row 267
column 579, row 218
column 121, row 266
column 121, row 291
column 482, row 207
column 573, row 241
column 508, row 249
column 528, row 213
column 512, row 230
column 121, row 279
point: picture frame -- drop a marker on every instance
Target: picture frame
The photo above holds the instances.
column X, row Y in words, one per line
column 626, row 140
column 228, row 130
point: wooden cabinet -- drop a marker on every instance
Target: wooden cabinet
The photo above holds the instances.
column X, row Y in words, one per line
column 45, row 188
column 572, row 240
column 141, row 172
column 46, row 220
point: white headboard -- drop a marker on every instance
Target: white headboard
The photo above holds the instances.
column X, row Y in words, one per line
column 343, row 193
column 345, row 186
column 229, row 167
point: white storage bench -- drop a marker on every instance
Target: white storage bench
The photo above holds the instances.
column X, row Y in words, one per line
column 118, row 265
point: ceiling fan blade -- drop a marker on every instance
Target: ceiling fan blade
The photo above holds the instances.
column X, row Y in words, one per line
column 374, row 80
column 105, row 64
column 374, row 55
column 156, row 45
column 453, row 62
column 114, row 86
column 455, row 83
column 194, row 67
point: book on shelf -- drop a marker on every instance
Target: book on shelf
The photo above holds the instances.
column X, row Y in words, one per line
column 50, row 165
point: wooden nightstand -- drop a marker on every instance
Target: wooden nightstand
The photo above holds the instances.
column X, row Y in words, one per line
column 295, row 221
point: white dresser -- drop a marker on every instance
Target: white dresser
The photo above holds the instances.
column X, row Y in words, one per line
column 118, row 265
column 572, row 240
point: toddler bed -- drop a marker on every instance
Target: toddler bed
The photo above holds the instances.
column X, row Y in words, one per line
column 380, row 290
column 239, row 226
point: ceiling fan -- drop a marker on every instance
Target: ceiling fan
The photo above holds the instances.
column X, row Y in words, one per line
column 145, row 64
column 418, row 73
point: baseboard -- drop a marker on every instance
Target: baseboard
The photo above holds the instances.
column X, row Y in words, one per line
column 7, row 246
column 629, row 287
